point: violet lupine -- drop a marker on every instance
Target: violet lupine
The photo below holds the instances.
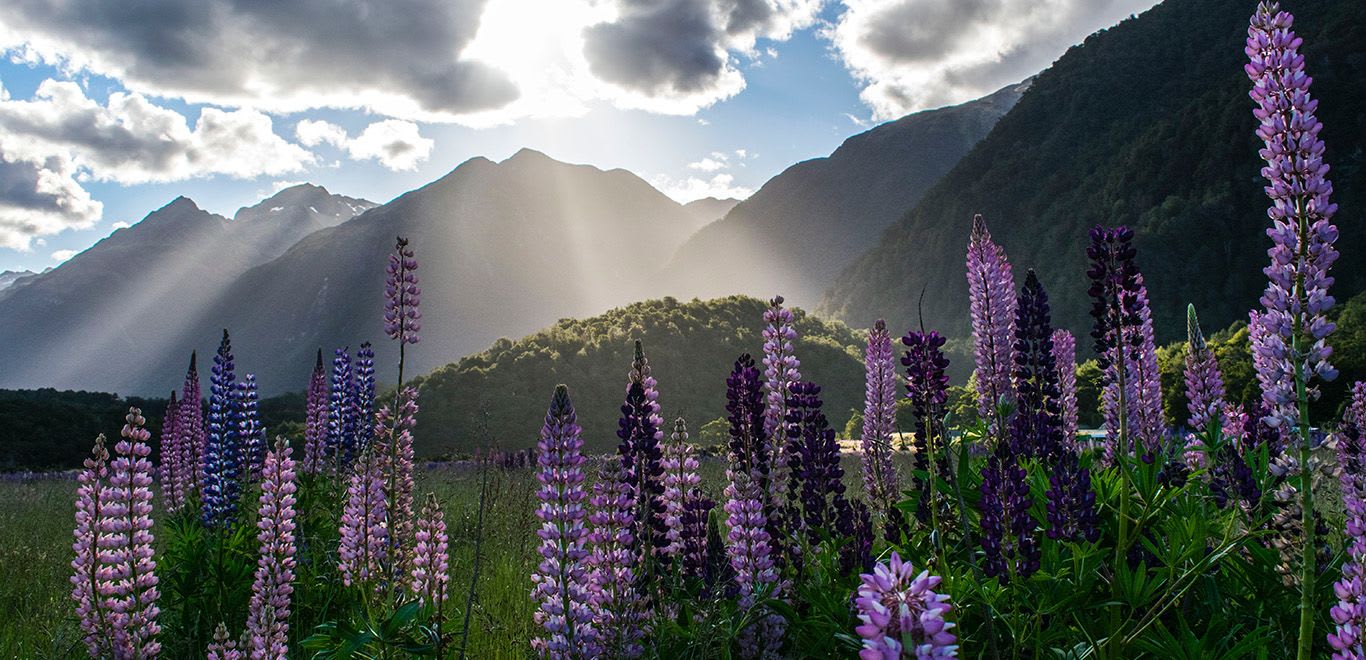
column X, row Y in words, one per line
column 681, row 483
column 363, row 395
column 991, row 293
column 273, row 588
column 750, row 445
column 431, row 558
column 341, row 411
column 224, row 647
column 560, row 584
column 1009, row 545
column 168, row 454
column 362, row 549
column 780, row 371
column 1123, row 334
column 879, row 423
column 1296, row 299
column 694, row 551
column 751, row 552
column 396, row 463
column 1349, row 614
column 901, row 615
column 126, row 554
column 1204, row 382
column 1356, row 409
column 315, row 421
column 1036, row 428
column 815, row 477
column 251, row 434
column 86, row 582
column 640, row 431
column 619, row 611
column 1071, row 501
column 402, row 320
column 1065, row 356
column 191, row 427
column 927, row 387
column 222, row 462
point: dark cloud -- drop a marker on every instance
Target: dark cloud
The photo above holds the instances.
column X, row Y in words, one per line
column 658, row 47
column 40, row 199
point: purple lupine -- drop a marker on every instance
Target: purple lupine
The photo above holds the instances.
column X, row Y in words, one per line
column 815, row 477
column 620, row 613
column 1296, row 300
column 1071, row 501
column 681, row 483
column 750, row 444
column 1065, row 357
column 431, row 558
column 1036, row 428
column 315, row 421
column 1009, row 545
column 560, row 584
column 126, row 546
column 168, row 455
column 273, row 588
column 1127, row 352
column 1349, row 614
column 396, row 464
column 901, row 615
column 780, row 371
column 251, row 434
column 927, row 386
column 879, row 423
column 363, row 395
column 222, row 463
column 86, row 581
column 364, row 541
column 694, row 550
column 640, row 431
column 991, row 292
column 1356, row 410
column 191, row 427
column 402, row 318
column 224, row 647
column 749, row 547
column 1204, row 383
column 1263, row 365
column 341, row 411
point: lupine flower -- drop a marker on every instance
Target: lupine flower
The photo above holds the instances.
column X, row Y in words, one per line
column 855, row 523
column 402, row 320
column 816, row 479
column 86, row 582
column 1124, row 343
column 341, row 411
column 1065, row 356
column 927, row 386
column 1349, row 614
column 991, row 292
column 619, row 611
column 431, row 568
column 363, row 547
column 222, row 469
column 749, row 547
column 780, row 371
column 750, row 445
column 1356, row 410
column 363, row 395
column 168, row 454
column 1071, row 501
column 1204, row 383
column 223, row 647
column 125, row 546
column 315, row 424
column 680, row 483
column 193, row 439
column 1009, row 545
column 1296, row 299
column 640, row 432
column 695, row 551
column 879, row 423
column 251, row 434
column 901, row 615
column 273, row 588
column 1036, row 427
column 396, row 464
column 560, row 584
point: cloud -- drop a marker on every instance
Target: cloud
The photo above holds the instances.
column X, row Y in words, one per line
column 62, row 255
column 915, row 54
column 396, row 144
column 720, row 186
column 38, row 199
column 720, row 160
column 119, row 225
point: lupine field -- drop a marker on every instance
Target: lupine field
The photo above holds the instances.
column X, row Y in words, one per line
column 1234, row 532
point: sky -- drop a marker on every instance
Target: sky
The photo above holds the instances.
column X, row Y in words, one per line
column 109, row 111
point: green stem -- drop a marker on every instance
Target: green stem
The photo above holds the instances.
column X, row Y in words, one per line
column 1306, row 637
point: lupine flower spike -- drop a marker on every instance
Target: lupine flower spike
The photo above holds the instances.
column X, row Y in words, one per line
column 991, row 295
column 619, row 612
column 168, row 455
column 126, row 553
column 431, row 562
column 1065, row 355
column 681, row 483
column 272, row 591
column 1349, row 614
column 251, row 434
column 927, row 386
column 879, row 423
column 341, row 411
column 86, row 580
column 901, row 615
column 1204, row 389
column 191, row 442
column 315, row 423
column 780, row 371
column 222, row 469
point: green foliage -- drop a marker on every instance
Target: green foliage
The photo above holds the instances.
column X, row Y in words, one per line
column 691, row 347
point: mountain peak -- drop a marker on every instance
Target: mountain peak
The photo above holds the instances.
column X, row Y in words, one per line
column 527, row 154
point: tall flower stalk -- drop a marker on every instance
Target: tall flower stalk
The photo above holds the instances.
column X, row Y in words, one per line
column 781, row 370
column 342, row 421
column 1204, row 382
column 88, row 585
column 560, row 585
column 681, row 485
column 879, row 423
column 927, row 387
column 222, row 468
column 431, row 562
column 1349, row 614
column 315, row 421
column 273, row 588
column 1356, row 409
column 402, row 321
column 168, row 455
column 619, row 610
column 1065, row 356
column 192, row 438
column 363, row 395
column 126, row 554
column 1296, row 301
column 640, row 432
column 251, row 434
column 991, row 295
column 364, row 534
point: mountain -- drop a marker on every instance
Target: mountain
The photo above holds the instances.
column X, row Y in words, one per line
column 9, row 277
column 691, row 347
column 709, row 209
column 505, row 248
column 99, row 319
column 804, row 225
column 1147, row 124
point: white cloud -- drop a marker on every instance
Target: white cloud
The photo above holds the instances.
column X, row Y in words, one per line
column 396, row 144
column 916, row 54
column 709, row 165
column 39, row 199
column 119, row 225
column 62, row 255
column 720, row 186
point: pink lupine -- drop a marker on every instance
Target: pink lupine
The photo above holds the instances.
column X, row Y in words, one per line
column 224, row 647
column 126, row 568
column 168, row 453
column 1204, row 382
column 780, row 372
column 901, row 615
column 619, row 611
column 431, row 571
column 1065, row 354
column 364, row 535
column 190, row 427
column 991, row 295
column 396, row 463
column 85, row 580
column 750, row 549
column 680, row 482
column 268, row 618
column 1356, row 409
column 879, row 422
column 315, row 418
